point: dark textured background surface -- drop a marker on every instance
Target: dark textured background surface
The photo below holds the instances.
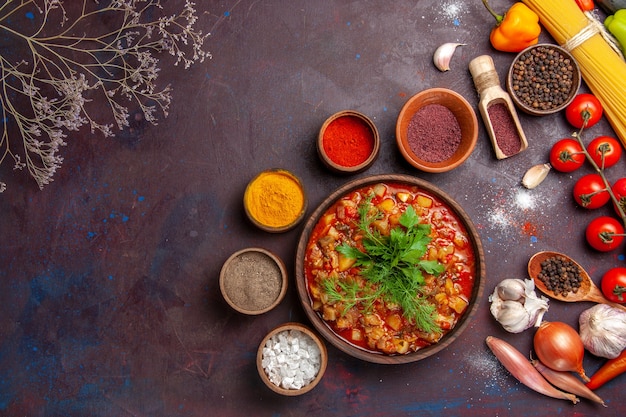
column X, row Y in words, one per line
column 109, row 296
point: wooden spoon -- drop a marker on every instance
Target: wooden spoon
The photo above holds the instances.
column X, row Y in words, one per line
column 588, row 291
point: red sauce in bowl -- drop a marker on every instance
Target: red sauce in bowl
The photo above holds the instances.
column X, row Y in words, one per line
column 381, row 326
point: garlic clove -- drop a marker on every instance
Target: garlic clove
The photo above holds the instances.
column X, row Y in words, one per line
column 535, row 175
column 443, row 55
column 513, row 317
column 511, row 289
column 536, row 306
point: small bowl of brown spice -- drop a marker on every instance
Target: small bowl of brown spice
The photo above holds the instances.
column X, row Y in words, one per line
column 436, row 130
column 253, row 281
column 543, row 79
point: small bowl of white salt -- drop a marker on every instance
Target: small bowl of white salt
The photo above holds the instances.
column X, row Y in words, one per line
column 291, row 359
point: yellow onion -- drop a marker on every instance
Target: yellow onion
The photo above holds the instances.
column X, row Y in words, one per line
column 559, row 347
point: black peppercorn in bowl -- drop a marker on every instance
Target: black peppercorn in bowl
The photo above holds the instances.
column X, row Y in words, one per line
column 543, row 79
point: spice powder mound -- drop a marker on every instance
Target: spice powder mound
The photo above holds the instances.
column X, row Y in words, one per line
column 348, row 141
column 253, row 281
column 504, row 129
column 275, row 199
column 434, row 133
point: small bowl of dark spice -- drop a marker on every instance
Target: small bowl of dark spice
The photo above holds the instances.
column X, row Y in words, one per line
column 543, row 79
column 348, row 142
column 253, row 281
column 436, row 130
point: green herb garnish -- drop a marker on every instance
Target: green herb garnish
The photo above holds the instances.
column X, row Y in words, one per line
column 394, row 266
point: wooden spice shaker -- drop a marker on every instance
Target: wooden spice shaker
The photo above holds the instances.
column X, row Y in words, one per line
column 488, row 85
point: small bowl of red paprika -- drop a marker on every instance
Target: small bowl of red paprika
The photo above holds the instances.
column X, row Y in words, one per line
column 348, row 142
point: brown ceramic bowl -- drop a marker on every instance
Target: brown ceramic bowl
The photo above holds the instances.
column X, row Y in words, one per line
column 465, row 116
column 314, row 345
column 251, row 195
column 253, row 281
column 324, row 328
column 540, row 108
column 360, row 164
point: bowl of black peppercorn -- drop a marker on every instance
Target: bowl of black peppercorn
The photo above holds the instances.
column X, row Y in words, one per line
column 543, row 79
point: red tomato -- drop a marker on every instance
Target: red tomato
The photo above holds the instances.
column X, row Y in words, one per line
column 613, row 285
column 584, row 107
column 567, row 155
column 590, row 192
column 604, row 233
column 608, row 146
column 619, row 190
column 585, row 5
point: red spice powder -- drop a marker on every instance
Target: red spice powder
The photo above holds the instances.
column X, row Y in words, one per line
column 529, row 229
column 348, row 141
column 434, row 133
column 504, row 129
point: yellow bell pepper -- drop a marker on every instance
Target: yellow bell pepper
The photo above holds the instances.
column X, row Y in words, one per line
column 517, row 29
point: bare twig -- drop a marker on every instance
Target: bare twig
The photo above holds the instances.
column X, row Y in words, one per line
column 52, row 72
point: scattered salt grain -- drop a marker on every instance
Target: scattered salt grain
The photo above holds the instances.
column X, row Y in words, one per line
column 291, row 359
column 525, row 200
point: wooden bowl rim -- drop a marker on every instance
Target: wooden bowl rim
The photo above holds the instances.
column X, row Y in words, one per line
column 283, row 276
column 534, row 112
column 323, row 359
column 286, row 227
column 469, row 136
column 340, row 168
column 327, row 332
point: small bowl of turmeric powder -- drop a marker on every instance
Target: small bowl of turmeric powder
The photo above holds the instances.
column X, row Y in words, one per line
column 275, row 200
column 348, row 142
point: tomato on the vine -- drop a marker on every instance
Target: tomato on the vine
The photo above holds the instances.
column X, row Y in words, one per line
column 613, row 285
column 590, row 191
column 610, row 147
column 584, row 107
column 604, row 233
column 619, row 190
column 567, row 155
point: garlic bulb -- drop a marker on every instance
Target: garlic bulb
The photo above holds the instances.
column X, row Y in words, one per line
column 602, row 329
column 515, row 305
column 443, row 55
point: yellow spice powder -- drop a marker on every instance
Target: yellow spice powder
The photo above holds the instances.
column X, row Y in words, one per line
column 274, row 198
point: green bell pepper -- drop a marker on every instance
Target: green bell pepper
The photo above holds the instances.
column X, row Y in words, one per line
column 616, row 24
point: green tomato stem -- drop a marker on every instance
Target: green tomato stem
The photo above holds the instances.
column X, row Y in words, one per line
column 578, row 136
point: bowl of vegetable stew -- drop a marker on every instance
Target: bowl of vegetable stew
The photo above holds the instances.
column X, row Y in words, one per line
column 389, row 269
